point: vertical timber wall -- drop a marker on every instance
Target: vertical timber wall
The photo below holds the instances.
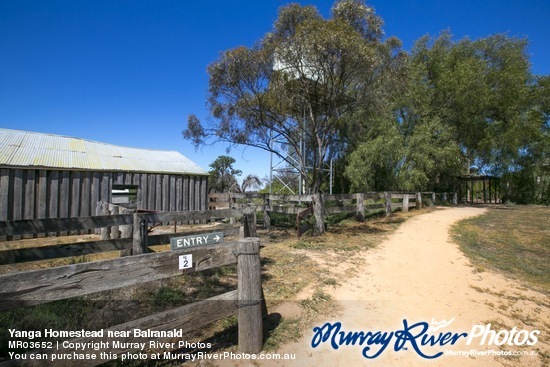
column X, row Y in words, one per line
column 45, row 193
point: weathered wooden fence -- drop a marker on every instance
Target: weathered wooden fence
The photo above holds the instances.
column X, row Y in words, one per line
column 28, row 288
column 360, row 204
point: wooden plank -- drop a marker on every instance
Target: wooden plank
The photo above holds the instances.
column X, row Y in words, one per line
column 179, row 193
column 165, row 193
column 306, row 198
column 61, row 251
column 194, row 215
column 197, row 196
column 106, row 187
column 173, row 204
column 187, row 318
column 95, row 190
column 53, row 196
column 186, row 193
column 340, row 209
column 151, row 191
column 285, row 209
column 13, row 227
column 45, row 285
column 42, row 195
column 30, row 198
column 75, row 202
column 18, row 194
column 158, row 192
column 204, row 193
column 64, row 198
column 86, row 207
column 18, row 197
column 4, row 196
column 339, row 197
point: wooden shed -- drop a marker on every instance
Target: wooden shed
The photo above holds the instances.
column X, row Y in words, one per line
column 52, row 176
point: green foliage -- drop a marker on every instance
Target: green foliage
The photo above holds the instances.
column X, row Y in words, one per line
column 222, row 175
column 303, row 81
column 334, row 89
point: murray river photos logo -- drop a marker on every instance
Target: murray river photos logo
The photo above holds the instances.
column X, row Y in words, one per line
column 418, row 337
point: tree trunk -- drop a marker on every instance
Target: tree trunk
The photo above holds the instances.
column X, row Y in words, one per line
column 319, row 214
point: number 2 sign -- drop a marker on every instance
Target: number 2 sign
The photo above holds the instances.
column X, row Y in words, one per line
column 186, row 261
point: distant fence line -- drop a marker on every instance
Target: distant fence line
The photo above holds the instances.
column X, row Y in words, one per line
column 300, row 205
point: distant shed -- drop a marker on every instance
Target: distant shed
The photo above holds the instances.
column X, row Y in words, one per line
column 52, row 176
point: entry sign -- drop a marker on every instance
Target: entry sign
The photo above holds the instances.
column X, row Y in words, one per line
column 178, row 243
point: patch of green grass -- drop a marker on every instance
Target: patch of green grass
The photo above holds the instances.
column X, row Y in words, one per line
column 288, row 329
column 513, row 240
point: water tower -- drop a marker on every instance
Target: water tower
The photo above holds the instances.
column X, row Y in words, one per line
column 291, row 169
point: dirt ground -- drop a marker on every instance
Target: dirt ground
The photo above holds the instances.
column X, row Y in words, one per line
column 419, row 275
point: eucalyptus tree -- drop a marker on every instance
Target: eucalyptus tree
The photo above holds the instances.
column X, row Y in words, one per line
column 480, row 90
column 223, row 176
column 304, row 83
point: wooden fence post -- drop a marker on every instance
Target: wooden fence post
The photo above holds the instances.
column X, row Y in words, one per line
column 250, row 334
column 267, row 209
column 418, row 200
column 387, row 197
column 115, row 233
column 455, row 198
column 405, row 203
column 126, row 231
column 433, row 198
column 444, row 197
column 360, row 213
column 105, row 230
column 248, row 223
column 140, row 243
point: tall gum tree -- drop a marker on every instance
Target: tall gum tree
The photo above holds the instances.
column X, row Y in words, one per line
column 303, row 82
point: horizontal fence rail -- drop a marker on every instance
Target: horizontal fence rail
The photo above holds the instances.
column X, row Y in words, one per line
column 45, row 285
column 34, row 287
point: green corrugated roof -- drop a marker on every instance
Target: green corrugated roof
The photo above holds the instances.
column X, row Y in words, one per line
column 31, row 149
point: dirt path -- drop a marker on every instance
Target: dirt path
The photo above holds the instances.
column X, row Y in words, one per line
column 418, row 274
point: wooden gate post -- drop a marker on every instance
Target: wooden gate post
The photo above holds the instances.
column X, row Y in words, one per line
column 140, row 243
column 455, row 198
column 418, row 200
column 433, row 198
column 248, row 223
column 360, row 213
column 249, row 296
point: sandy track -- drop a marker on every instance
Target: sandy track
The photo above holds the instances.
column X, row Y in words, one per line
column 418, row 274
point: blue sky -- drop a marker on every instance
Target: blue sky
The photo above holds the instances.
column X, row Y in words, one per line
column 129, row 72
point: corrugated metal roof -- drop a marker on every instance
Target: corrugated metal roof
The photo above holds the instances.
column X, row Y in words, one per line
column 30, row 149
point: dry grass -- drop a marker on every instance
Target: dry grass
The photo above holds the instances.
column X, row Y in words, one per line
column 513, row 240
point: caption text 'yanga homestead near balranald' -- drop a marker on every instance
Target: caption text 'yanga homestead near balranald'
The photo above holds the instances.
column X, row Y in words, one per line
column 52, row 176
